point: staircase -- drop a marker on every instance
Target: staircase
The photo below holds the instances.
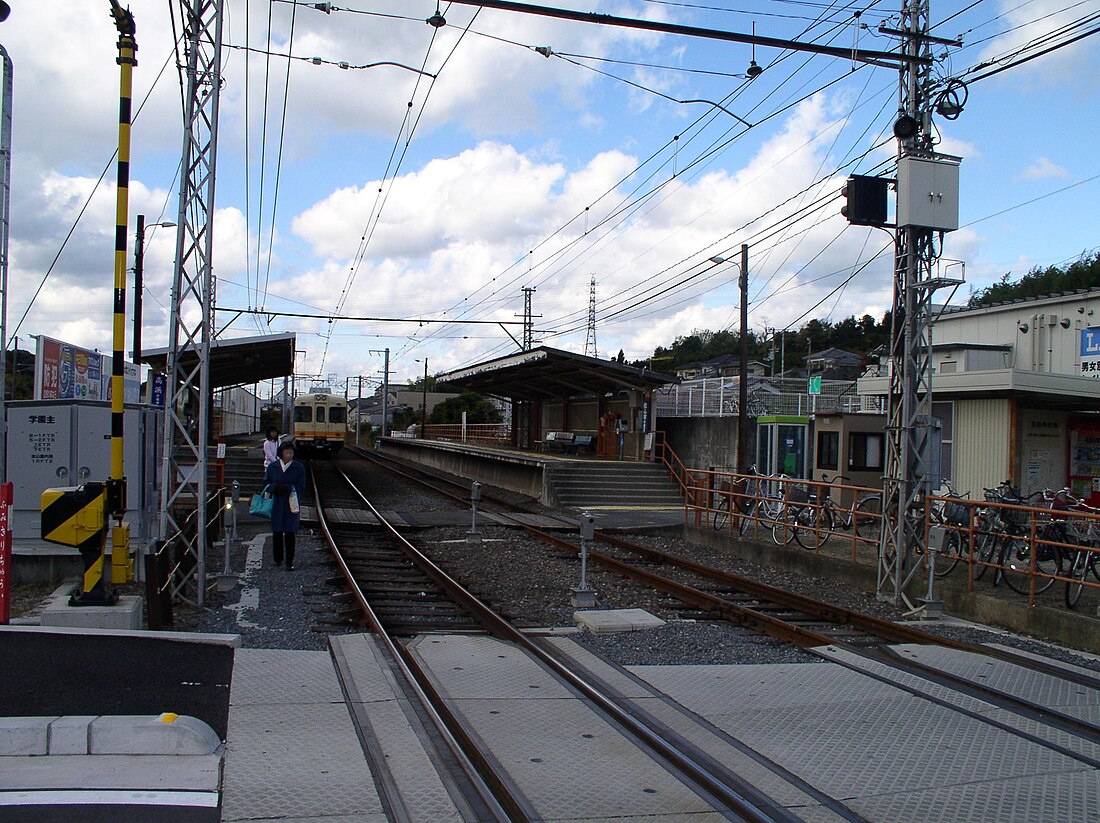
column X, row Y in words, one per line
column 585, row 484
column 243, row 465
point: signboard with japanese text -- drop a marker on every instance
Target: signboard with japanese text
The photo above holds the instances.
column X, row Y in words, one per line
column 67, row 372
column 1090, row 352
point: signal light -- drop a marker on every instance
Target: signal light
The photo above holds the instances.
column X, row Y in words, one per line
column 866, row 200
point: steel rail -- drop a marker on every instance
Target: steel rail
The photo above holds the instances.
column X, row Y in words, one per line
column 883, row 629
column 751, row 805
column 497, row 799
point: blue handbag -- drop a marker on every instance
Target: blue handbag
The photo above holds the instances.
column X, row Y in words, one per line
column 262, row 504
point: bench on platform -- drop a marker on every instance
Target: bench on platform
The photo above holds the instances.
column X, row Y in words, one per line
column 557, row 440
column 581, row 442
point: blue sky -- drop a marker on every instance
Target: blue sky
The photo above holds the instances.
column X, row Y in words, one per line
column 524, row 169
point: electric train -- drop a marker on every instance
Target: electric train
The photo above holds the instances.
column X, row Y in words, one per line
column 320, row 422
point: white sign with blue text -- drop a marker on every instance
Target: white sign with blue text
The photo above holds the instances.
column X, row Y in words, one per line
column 1090, row 352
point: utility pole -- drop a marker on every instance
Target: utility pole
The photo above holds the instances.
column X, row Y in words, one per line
column 359, row 411
column 909, row 404
column 5, row 224
column 743, row 377
column 590, row 338
column 528, row 319
column 424, row 409
column 184, row 477
column 385, row 388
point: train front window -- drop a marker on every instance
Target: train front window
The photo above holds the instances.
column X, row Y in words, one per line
column 320, row 414
column 303, row 414
column 337, row 415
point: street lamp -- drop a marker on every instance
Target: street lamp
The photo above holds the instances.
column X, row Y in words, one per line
column 139, row 274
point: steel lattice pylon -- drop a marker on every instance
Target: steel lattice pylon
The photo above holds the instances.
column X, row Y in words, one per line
column 590, row 338
column 909, row 404
column 188, row 396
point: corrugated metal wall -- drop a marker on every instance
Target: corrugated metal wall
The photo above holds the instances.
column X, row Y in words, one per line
column 982, row 434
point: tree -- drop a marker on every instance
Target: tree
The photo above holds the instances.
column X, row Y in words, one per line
column 478, row 408
column 1083, row 273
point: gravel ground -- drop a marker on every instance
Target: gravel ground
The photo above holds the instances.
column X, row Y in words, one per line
column 292, row 604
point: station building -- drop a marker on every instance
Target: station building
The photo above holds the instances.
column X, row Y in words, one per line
column 1016, row 390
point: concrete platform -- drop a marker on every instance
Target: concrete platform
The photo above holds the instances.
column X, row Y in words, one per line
column 609, row 621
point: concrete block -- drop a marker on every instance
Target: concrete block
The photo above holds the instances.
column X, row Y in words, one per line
column 69, row 734
column 24, row 736
column 605, row 621
column 141, row 734
column 126, row 614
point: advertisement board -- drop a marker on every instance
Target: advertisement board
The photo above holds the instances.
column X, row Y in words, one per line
column 1090, row 352
column 67, row 372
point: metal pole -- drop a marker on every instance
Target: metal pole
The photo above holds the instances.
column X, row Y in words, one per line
column 286, row 403
column 359, row 411
column 386, row 395
column 743, row 388
column 5, row 208
column 139, row 282
column 121, row 569
column 424, row 410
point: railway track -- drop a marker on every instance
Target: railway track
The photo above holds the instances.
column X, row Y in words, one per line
column 813, row 625
column 491, row 793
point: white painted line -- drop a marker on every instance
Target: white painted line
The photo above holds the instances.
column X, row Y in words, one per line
column 108, row 797
column 250, row 595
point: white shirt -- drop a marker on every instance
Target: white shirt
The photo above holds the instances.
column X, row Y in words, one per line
column 271, row 451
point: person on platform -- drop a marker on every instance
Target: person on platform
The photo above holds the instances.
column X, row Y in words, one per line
column 286, row 478
column 271, row 447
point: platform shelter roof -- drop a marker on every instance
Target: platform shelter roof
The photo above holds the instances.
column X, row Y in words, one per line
column 547, row 373
column 236, row 361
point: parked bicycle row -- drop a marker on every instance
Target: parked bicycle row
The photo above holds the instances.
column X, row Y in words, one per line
column 1029, row 542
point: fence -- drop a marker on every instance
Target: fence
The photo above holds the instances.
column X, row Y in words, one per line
column 718, row 397
column 1028, row 547
column 493, row 434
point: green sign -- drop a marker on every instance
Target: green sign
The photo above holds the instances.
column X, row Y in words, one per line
column 815, row 385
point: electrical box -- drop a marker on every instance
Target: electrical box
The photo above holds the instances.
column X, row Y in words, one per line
column 928, row 192
column 75, row 516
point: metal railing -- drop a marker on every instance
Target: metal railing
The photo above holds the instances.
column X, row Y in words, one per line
column 495, row 434
column 718, row 397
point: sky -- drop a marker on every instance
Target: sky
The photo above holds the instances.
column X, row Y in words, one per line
column 384, row 192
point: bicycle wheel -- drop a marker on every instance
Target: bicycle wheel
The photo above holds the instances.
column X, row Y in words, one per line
column 1016, row 558
column 812, row 526
column 985, row 549
column 747, row 516
column 722, row 514
column 867, row 519
column 1079, row 570
column 954, row 547
column 783, row 526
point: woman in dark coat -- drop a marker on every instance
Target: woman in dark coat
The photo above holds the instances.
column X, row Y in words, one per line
column 286, row 480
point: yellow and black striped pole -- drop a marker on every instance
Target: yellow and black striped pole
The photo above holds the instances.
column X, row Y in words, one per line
column 116, row 486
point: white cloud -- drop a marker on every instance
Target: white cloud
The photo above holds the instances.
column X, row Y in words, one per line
column 1043, row 169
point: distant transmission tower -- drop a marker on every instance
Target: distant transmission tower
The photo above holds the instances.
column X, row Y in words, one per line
column 590, row 338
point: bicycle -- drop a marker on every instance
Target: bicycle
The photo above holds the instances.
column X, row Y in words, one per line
column 1084, row 533
column 760, row 503
column 1005, row 543
column 817, row 519
column 955, row 517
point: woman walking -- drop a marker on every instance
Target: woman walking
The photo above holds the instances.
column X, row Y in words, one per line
column 271, row 447
column 286, row 478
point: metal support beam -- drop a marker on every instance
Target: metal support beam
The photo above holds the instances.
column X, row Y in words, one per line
column 187, row 406
column 5, row 223
column 909, row 402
